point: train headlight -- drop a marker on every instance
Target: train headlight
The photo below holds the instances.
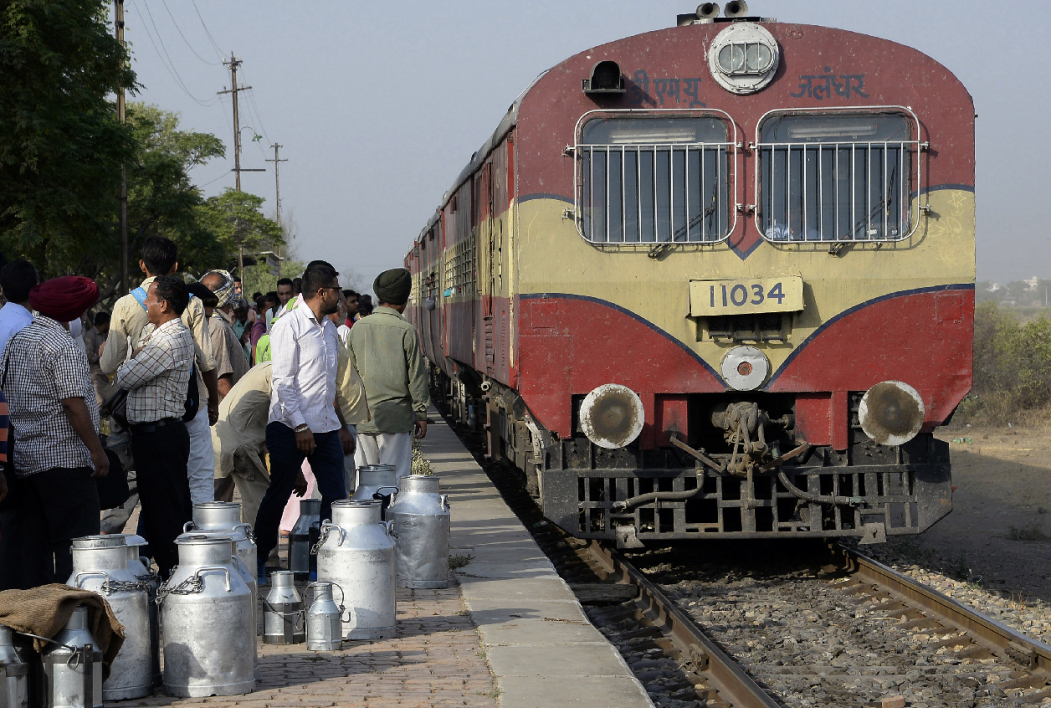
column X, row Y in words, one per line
column 743, row 58
column 745, row 368
column 891, row 413
column 612, row 416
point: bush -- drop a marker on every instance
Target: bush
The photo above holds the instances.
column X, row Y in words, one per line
column 1012, row 366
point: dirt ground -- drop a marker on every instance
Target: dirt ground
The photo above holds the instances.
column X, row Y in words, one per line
column 999, row 532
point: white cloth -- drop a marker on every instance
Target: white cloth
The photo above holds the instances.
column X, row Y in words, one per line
column 385, row 449
column 305, row 356
column 344, row 334
column 200, row 467
column 350, row 470
column 13, row 319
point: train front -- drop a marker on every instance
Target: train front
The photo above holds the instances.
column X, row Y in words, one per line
column 743, row 263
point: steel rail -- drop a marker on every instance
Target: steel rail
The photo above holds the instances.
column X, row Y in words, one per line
column 1035, row 656
column 718, row 668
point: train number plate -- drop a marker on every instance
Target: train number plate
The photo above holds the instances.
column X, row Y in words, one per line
column 716, row 298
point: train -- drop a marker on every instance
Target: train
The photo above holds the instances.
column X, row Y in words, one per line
column 715, row 281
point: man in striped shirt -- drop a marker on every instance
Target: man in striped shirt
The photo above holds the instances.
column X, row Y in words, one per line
column 157, row 377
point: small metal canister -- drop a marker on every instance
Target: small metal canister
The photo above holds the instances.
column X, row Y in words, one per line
column 421, row 517
column 73, row 666
column 376, row 482
column 100, row 564
column 284, row 618
column 303, row 537
column 206, row 614
column 226, row 517
column 356, row 552
column 14, row 673
column 140, row 567
column 324, row 631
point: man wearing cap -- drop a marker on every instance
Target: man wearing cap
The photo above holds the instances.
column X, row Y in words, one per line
column 230, row 361
column 387, row 352
column 55, row 420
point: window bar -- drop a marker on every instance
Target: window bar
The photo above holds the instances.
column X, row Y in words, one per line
column 773, row 158
column 638, row 188
column 671, row 193
column 656, row 236
column 803, row 199
column 607, row 194
column 718, row 181
column 704, row 235
column 788, row 192
column 623, row 199
column 883, row 196
column 820, row 195
column 868, row 192
column 853, row 193
column 904, row 208
column 686, row 173
column 835, row 176
column 591, row 191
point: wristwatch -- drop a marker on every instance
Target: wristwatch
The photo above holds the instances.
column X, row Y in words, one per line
column 302, row 428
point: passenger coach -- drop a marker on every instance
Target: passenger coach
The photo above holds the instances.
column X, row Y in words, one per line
column 715, row 280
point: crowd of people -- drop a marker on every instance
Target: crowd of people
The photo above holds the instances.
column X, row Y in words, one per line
column 205, row 396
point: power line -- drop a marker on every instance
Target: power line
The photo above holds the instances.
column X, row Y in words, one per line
column 186, row 41
column 168, row 65
column 218, row 51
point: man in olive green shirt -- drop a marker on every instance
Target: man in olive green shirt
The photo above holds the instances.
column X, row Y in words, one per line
column 387, row 352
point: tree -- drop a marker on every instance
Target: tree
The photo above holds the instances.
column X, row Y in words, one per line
column 259, row 279
column 61, row 146
column 238, row 223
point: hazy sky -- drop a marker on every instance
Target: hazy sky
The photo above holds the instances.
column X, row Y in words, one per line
column 379, row 105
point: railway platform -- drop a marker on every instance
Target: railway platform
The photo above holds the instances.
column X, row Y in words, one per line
column 506, row 633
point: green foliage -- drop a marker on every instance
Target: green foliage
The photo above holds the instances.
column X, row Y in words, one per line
column 236, row 219
column 1012, row 366
column 61, row 146
column 259, row 279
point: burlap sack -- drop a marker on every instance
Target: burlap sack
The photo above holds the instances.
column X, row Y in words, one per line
column 45, row 610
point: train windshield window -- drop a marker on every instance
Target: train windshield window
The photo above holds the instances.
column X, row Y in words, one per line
column 835, row 177
column 654, row 179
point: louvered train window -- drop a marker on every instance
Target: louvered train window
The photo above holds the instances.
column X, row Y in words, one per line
column 837, row 177
column 648, row 179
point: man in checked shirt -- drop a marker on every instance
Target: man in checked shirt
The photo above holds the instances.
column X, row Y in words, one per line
column 157, row 377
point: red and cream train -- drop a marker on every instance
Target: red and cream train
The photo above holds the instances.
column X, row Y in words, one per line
column 716, row 280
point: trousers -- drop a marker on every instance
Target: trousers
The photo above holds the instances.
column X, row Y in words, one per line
column 285, row 462
column 160, row 456
column 201, row 465
column 385, row 449
column 47, row 510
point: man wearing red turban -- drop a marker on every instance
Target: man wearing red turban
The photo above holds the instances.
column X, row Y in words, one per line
column 55, row 419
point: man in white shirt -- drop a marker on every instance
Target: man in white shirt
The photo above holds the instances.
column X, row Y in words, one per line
column 17, row 278
column 305, row 420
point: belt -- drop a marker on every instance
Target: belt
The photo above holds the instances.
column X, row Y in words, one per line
column 152, row 426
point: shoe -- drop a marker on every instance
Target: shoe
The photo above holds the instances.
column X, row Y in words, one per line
column 261, row 580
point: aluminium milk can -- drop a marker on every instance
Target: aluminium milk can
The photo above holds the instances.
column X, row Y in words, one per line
column 303, row 537
column 356, row 552
column 73, row 666
column 140, row 568
column 14, row 673
column 421, row 518
column 284, row 618
column 206, row 613
column 376, row 482
column 100, row 564
column 324, row 628
column 247, row 576
column 226, row 516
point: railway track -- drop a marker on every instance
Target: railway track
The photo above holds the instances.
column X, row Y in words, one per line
column 801, row 628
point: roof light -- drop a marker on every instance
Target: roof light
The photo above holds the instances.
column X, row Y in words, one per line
column 743, row 57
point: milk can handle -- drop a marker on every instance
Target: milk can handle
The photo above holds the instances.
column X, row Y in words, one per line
column 445, row 502
column 393, row 496
column 92, row 573
column 187, row 526
column 323, row 536
column 380, row 489
column 249, row 533
column 390, row 530
column 210, row 568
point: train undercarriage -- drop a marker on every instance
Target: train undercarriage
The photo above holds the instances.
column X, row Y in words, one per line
column 742, row 472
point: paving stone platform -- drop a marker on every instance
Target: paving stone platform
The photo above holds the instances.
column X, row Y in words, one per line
column 507, row 633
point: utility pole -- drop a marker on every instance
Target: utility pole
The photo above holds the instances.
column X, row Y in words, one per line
column 122, row 217
column 277, row 190
column 234, row 90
